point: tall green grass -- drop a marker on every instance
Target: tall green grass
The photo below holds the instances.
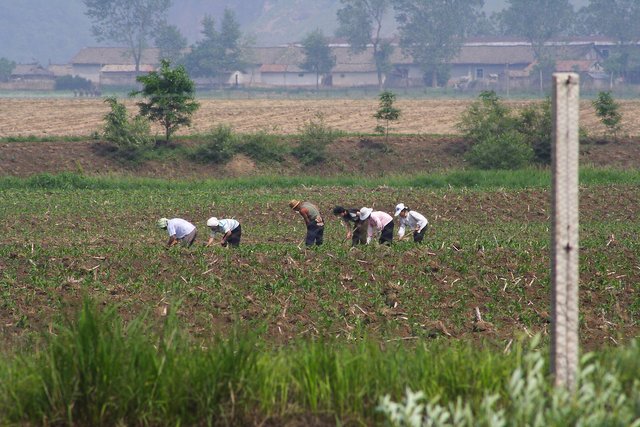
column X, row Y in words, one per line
column 99, row 370
column 472, row 179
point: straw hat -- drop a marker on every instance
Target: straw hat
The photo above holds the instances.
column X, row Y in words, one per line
column 294, row 203
column 162, row 223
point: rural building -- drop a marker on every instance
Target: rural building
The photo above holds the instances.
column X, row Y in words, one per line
column 89, row 62
column 30, row 77
column 482, row 63
column 122, row 75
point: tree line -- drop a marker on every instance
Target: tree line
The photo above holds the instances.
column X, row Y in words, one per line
column 431, row 31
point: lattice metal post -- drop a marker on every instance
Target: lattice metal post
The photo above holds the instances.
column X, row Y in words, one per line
column 564, row 246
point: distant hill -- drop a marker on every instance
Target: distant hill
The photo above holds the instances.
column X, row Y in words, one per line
column 54, row 30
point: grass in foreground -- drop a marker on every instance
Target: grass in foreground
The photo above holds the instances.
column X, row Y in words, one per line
column 97, row 369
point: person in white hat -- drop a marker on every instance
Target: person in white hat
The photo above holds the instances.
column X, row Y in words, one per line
column 380, row 222
column 179, row 230
column 412, row 220
column 230, row 229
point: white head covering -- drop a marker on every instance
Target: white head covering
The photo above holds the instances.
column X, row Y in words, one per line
column 364, row 213
column 399, row 208
column 162, row 223
column 213, row 222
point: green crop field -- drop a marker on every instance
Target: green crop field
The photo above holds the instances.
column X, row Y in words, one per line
column 321, row 333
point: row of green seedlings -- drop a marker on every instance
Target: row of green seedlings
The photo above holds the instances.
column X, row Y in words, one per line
column 97, row 369
column 500, row 138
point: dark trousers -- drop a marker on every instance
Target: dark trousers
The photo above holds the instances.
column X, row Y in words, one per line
column 315, row 234
column 189, row 238
column 234, row 238
column 418, row 236
column 386, row 237
column 359, row 233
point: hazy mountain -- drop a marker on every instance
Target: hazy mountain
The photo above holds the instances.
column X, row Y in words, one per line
column 54, row 30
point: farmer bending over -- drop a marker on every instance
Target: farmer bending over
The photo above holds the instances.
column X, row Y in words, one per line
column 229, row 228
column 413, row 220
column 179, row 231
column 352, row 224
column 380, row 222
column 312, row 219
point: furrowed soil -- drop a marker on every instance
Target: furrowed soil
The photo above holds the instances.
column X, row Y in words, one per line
column 82, row 117
column 485, row 252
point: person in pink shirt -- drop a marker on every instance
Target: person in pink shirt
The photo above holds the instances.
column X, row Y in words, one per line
column 378, row 222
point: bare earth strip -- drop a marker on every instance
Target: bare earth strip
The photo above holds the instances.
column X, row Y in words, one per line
column 82, row 117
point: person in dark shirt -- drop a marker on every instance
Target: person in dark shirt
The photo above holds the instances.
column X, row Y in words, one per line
column 352, row 224
column 312, row 219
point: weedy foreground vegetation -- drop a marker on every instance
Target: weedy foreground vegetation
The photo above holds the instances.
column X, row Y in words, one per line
column 102, row 325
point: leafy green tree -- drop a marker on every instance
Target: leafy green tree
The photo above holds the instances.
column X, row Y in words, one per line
column 131, row 22
column 386, row 113
column 620, row 20
column 608, row 111
column 233, row 43
column 171, row 42
column 170, row 95
column 218, row 51
column 6, row 68
column 538, row 21
column 360, row 22
column 317, row 53
column 432, row 31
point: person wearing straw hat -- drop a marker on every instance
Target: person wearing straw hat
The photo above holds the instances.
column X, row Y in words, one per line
column 413, row 220
column 230, row 229
column 312, row 219
column 352, row 224
column 180, row 231
column 380, row 222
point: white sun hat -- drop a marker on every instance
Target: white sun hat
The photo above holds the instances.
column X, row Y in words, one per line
column 213, row 222
column 162, row 223
column 399, row 208
column 364, row 213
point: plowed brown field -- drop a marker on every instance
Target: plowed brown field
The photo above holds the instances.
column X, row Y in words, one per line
column 79, row 117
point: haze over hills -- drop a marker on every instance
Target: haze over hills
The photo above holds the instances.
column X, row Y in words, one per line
column 54, row 30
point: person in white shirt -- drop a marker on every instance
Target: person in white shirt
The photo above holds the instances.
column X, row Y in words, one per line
column 413, row 220
column 179, row 230
column 229, row 228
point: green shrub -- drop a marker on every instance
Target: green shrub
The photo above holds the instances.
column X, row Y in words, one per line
column 536, row 125
column 220, row 147
column 486, row 118
column 262, row 147
column 314, row 138
column 505, row 151
column 122, row 130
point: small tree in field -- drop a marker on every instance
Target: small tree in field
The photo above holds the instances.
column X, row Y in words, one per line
column 170, row 95
column 608, row 110
column 386, row 112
